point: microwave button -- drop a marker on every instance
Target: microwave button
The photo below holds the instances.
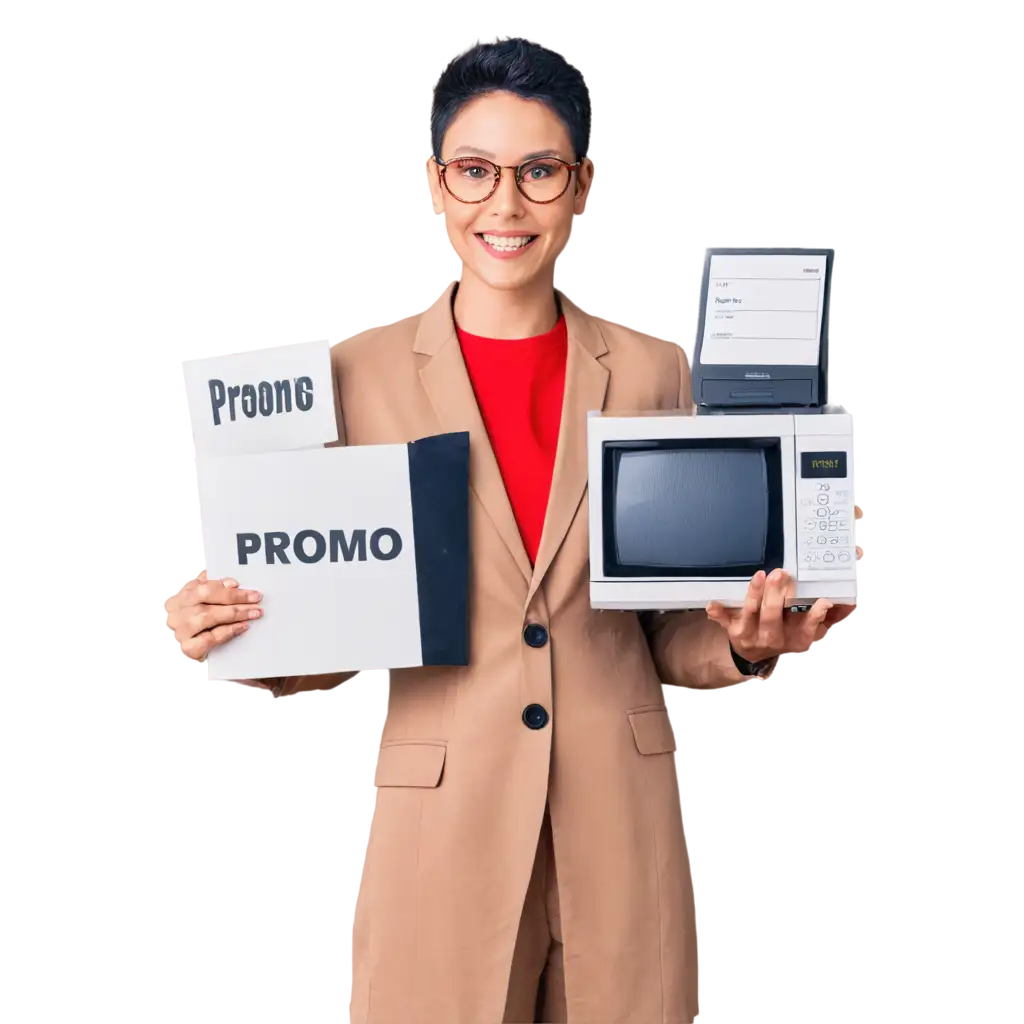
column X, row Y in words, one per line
column 823, row 487
column 821, row 512
column 822, row 525
column 829, row 557
column 844, row 524
column 822, row 499
column 844, row 556
column 821, row 540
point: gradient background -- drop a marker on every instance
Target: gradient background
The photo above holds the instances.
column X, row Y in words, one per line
column 200, row 179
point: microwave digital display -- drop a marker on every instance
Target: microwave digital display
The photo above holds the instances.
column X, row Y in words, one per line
column 827, row 464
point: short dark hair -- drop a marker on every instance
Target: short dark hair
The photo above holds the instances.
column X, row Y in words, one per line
column 518, row 66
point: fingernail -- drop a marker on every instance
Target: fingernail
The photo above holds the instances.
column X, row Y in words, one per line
column 255, row 595
column 255, row 613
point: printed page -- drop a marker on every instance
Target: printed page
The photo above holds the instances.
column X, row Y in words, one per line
column 764, row 310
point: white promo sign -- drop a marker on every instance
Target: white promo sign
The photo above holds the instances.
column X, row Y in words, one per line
column 272, row 399
column 361, row 554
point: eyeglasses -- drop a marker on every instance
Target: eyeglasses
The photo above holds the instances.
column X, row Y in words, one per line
column 472, row 179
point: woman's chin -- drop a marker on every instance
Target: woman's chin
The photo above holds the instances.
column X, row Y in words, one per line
column 506, row 275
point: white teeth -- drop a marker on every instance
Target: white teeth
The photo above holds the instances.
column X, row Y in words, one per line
column 506, row 243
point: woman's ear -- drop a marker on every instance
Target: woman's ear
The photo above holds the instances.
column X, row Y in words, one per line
column 434, row 183
column 584, row 176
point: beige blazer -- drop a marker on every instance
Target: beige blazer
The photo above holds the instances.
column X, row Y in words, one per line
column 463, row 781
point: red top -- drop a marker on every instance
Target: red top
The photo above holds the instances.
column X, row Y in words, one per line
column 519, row 385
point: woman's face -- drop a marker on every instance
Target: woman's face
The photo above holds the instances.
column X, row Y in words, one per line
column 507, row 130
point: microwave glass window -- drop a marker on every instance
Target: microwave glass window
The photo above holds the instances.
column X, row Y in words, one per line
column 698, row 507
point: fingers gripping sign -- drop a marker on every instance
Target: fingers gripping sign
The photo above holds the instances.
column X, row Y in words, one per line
column 205, row 613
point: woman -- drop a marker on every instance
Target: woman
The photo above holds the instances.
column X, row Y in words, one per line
column 526, row 859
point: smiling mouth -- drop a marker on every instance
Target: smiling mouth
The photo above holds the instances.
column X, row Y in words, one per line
column 502, row 243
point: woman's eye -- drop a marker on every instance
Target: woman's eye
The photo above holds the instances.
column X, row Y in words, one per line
column 538, row 172
column 471, row 169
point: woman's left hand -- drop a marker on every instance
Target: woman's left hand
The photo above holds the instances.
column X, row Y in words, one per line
column 761, row 628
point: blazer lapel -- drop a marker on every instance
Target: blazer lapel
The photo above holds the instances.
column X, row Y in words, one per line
column 450, row 391
column 586, row 384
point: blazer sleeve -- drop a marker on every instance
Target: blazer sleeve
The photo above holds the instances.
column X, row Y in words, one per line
column 688, row 648
column 342, row 687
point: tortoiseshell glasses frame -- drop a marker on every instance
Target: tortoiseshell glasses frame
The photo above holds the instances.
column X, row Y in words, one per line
column 496, row 171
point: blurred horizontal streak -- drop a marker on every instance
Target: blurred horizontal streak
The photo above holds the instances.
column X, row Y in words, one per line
column 939, row 547
column 878, row 517
column 873, row 1017
column 809, row 187
column 946, row 636
column 655, row 259
column 858, row 819
column 681, row 233
column 887, row 687
column 908, row 664
column 940, row 558
column 932, row 666
column 929, row 593
column 800, row 114
column 882, row 880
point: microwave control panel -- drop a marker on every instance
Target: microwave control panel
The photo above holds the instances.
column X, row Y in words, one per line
column 826, row 544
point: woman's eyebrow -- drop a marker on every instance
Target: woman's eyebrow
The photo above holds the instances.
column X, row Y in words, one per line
column 491, row 156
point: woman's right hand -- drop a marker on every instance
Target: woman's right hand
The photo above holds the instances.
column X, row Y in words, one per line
column 205, row 613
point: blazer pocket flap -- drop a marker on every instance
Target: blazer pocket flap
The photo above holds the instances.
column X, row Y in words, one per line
column 652, row 731
column 410, row 763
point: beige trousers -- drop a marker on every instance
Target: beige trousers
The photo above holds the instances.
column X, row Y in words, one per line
column 536, row 989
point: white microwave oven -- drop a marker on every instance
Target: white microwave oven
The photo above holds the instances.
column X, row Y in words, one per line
column 685, row 508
